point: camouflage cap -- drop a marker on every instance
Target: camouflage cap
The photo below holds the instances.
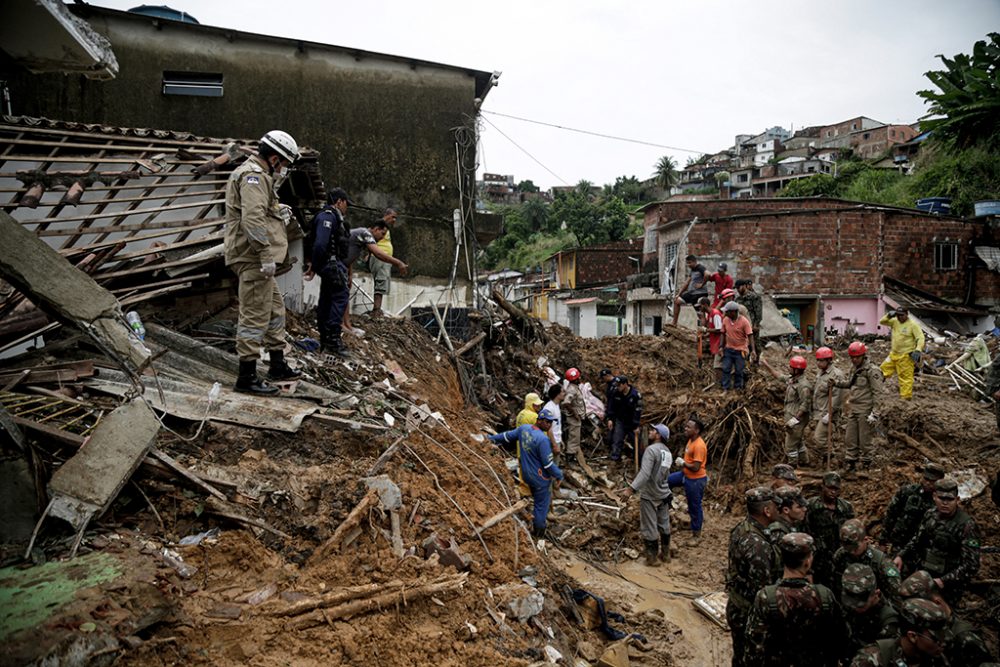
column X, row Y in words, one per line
column 933, row 472
column 858, row 584
column 759, row 494
column 920, row 584
column 852, row 533
column 796, row 544
column 832, row 479
column 946, row 488
column 787, row 495
column 922, row 614
column 784, row 471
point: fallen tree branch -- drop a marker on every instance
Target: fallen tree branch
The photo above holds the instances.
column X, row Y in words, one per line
column 914, row 445
column 227, row 511
column 384, row 458
column 336, row 597
column 450, row 583
column 353, row 519
column 497, row 518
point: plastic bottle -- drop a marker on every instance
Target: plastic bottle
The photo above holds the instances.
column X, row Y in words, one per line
column 135, row 322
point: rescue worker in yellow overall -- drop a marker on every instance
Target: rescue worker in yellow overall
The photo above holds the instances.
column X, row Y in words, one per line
column 907, row 347
column 256, row 245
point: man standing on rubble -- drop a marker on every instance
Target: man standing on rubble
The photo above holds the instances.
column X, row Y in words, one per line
column 654, row 495
column 532, row 404
column 865, row 384
column 753, row 564
column 796, row 621
column 722, row 281
column 907, row 348
column 749, row 299
column 693, row 474
column 330, row 239
column 537, row 468
column 908, row 507
column 256, row 244
column 737, row 346
column 826, row 513
column 624, row 415
column 574, row 410
column 555, row 395
column 993, row 386
column 382, row 271
column 798, row 402
column 827, row 399
column 946, row 544
column 712, row 325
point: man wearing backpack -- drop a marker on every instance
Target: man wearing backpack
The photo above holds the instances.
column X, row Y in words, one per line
column 795, row 622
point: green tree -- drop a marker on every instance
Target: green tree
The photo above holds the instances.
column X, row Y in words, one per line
column 535, row 213
column 584, row 187
column 965, row 110
column 817, row 185
column 720, row 178
column 613, row 215
column 527, row 186
column 628, row 188
column 665, row 172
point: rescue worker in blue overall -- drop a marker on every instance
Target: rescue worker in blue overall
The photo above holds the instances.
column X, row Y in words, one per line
column 329, row 251
column 536, row 467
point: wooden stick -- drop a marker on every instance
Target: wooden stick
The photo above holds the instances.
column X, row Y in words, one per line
column 384, row 459
column 353, row 519
column 913, row 444
column 444, row 331
column 226, row 511
column 187, row 474
column 476, row 340
column 350, row 422
column 500, row 516
column 335, row 597
column 397, row 534
column 393, row 598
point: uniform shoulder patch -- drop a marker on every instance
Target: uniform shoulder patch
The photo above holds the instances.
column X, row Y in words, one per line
column 327, row 224
column 253, row 180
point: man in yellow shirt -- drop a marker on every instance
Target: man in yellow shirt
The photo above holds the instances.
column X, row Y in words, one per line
column 381, row 271
column 907, row 346
column 532, row 404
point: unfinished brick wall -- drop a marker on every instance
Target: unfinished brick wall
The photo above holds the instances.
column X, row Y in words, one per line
column 838, row 252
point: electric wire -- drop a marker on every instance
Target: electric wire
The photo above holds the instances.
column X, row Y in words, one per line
column 594, row 134
column 523, row 150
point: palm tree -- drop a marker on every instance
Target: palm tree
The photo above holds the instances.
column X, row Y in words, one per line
column 583, row 188
column 666, row 173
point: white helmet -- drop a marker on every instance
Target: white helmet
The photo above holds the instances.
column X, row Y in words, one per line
column 282, row 144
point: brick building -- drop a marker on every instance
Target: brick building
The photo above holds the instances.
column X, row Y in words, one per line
column 596, row 265
column 871, row 144
column 826, row 260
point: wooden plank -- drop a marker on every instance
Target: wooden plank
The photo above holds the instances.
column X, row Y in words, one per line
column 127, row 213
column 200, row 142
column 90, row 158
column 145, row 268
column 153, row 235
column 146, row 296
column 64, row 437
column 174, row 225
column 163, row 283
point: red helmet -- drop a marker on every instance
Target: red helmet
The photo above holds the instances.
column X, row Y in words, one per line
column 824, row 353
column 857, row 349
column 797, row 362
column 572, row 374
column 728, row 292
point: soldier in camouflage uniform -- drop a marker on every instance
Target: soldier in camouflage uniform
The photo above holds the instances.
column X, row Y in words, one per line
column 791, row 513
column 783, row 475
column 946, row 544
column 992, row 386
column 923, row 633
column 750, row 300
column 753, row 564
column 855, row 547
column 795, row 622
column 868, row 614
column 965, row 648
column 908, row 507
column 825, row 514
column 828, row 399
column 798, row 404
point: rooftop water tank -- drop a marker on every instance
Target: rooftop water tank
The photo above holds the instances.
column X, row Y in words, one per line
column 164, row 12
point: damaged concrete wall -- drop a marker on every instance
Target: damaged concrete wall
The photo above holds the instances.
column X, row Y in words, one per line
column 383, row 126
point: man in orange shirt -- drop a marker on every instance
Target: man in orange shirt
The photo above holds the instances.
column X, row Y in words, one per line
column 737, row 346
column 693, row 475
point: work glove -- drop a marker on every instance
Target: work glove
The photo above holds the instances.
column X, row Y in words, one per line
column 792, row 423
column 679, row 462
column 268, row 269
column 826, row 418
column 872, row 418
column 285, row 211
column 915, row 355
column 702, row 330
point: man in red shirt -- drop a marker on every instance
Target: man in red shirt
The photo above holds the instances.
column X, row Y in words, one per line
column 722, row 281
column 712, row 325
column 737, row 346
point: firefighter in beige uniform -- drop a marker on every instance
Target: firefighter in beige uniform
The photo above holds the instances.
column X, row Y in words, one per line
column 865, row 384
column 256, row 243
column 827, row 395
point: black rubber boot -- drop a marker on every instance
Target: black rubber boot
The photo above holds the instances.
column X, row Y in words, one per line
column 279, row 368
column 665, row 547
column 249, row 383
column 652, row 546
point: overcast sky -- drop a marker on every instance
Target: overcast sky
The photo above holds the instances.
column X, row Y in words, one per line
column 689, row 74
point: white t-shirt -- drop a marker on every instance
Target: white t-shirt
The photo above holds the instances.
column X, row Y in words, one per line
column 557, row 422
